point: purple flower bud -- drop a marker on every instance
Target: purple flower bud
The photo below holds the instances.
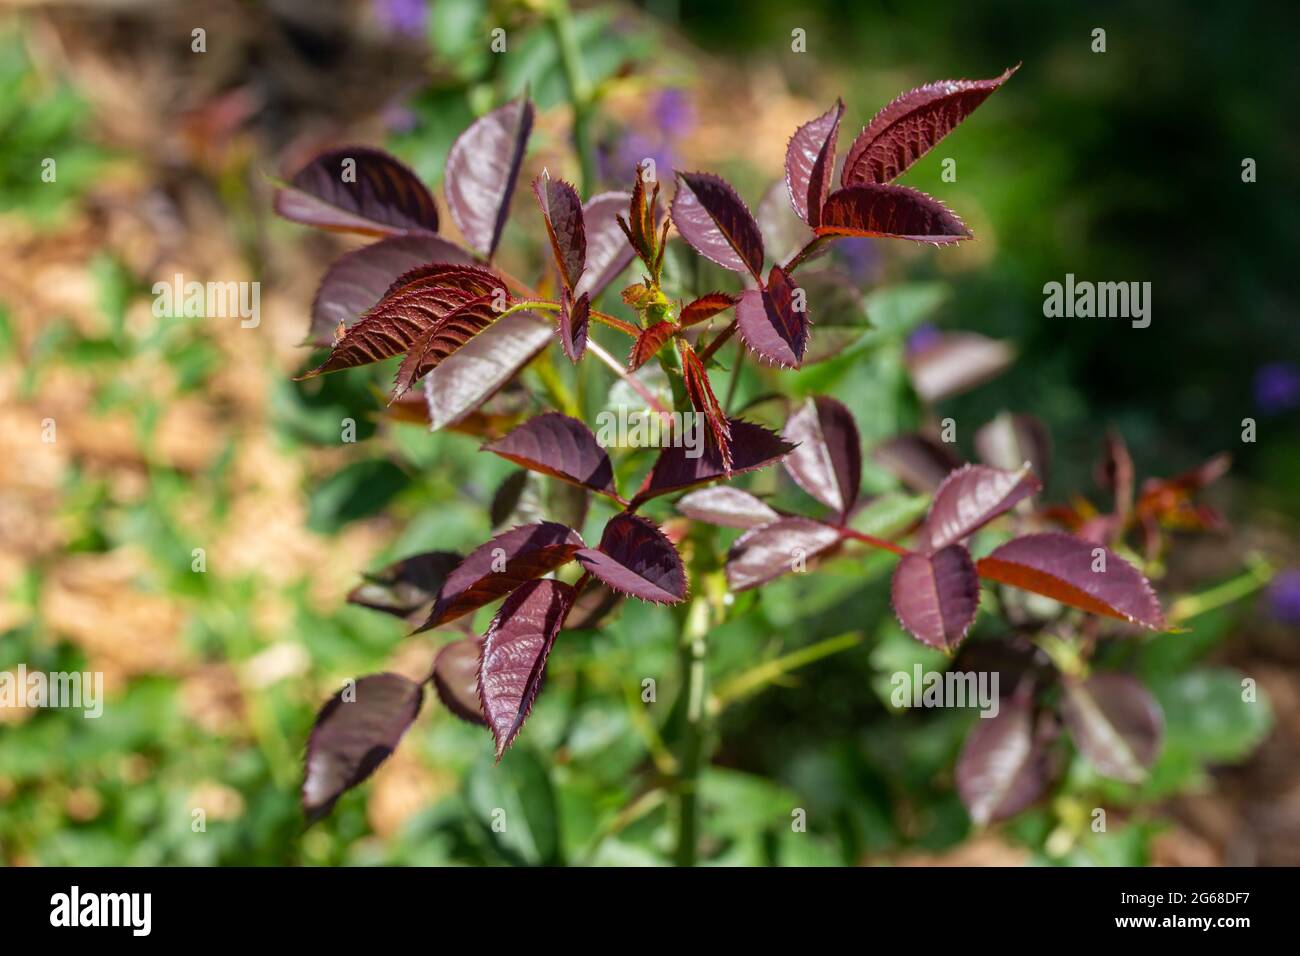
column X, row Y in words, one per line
column 923, row 337
column 408, row 17
column 1277, row 387
column 673, row 113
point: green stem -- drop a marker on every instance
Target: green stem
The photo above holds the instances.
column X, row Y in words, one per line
column 691, row 756
column 1258, row 573
column 579, row 91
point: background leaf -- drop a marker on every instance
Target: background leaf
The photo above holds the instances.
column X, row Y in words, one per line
column 769, row 551
column 482, row 168
column 970, row 498
column 384, row 199
column 1003, row 767
column 1115, row 723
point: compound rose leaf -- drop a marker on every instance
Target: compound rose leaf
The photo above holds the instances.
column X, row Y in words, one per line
column 469, row 377
column 716, row 222
column 482, row 169
column 358, row 189
column 445, row 338
column 1078, row 573
column 911, row 125
column 501, row 565
column 561, row 447
column 515, row 649
column 726, row 506
column 753, row 447
column 354, row 733
column 936, row 596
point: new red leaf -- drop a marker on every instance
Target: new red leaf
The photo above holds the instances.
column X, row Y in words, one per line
column 890, row 212
column 1070, row 570
column 354, row 733
column 499, row 566
column 515, row 649
column 417, row 302
column 706, row 403
column 482, row 168
column 716, row 222
column 753, row 447
column 970, row 498
column 455, row 678
column 936, row 596
column 358, row 189
column 455, row 329
column 827, row 462
column 357, row 279
column 771, row 550
column 560, row 446
column 726, row 506
column 705, row 307
column 575, row 317
column 648, row 343
column 1116, row 724
column 562, row 210
column 772, row 322
column 810, row 163
column 909, row 127
column 635, row 558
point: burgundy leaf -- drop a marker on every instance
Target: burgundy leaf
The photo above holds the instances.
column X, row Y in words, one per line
column 455, row 329
column 608, row 252
column 358, row 189
column 562, row 210
column 469, row 377
column 970, row 498
column 784, row 233
column 594, row 606
column 417, row 302
column 827, row 463
column 726, row 506
column 771, row 550
column 496, row 568
column 357, row 279
column 574, row 320
column 635, row 558
column 769, row 322
column 515, row 649
column 717, row 223
column 526, row 497
column 354, row 733
column 1004, row 766
column 1009, row 441
column 936, row 596
column 916, row 459
column 455, row 678
column 648, row 343
column 560, row 446
column 1116, row 724
column 706, row 403
column 705, row 307
column 482, row 168
column 956, row 363
column 753, row 447
column 810, row 163
column 908, row 128
column 1060, row 566
column 406, row 586
column 1117, row 475
column 891, row 212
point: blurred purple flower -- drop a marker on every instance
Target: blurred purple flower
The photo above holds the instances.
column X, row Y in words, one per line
column 923, row 337
column 409, row 17
column 1277, row 387
column 860, row 257
column 1284, row 597
column 398, row 117
column 673, row 113
column 617, row 162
